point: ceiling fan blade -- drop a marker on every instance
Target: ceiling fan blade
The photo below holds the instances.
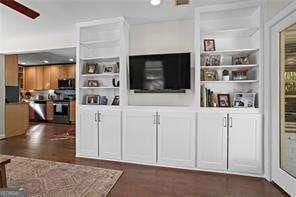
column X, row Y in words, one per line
column 20, row 8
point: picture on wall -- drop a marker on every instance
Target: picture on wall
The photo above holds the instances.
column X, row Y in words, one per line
column 209, row 45
column 223, row 100
column 92, row 99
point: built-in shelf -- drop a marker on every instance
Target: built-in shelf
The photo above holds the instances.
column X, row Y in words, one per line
column 230, row 66
column 290, row 96
column 93, row 88
column 99, row 58
column 101, row 75
column 100, row 43
column 231, row 81
column 236, row 32
column 230, row 52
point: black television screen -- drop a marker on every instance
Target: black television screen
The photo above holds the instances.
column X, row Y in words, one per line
column 160, row 72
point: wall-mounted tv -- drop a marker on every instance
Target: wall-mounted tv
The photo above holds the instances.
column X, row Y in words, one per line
column 160, row 73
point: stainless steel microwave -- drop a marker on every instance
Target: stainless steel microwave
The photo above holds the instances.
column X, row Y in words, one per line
column 66, row 84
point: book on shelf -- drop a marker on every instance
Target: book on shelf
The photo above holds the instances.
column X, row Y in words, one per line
column 207, row 97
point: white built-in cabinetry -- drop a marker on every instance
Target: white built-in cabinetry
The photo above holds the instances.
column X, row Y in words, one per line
column 139, row 136
column 194, row 137
column 176, row 138
column 233, row 142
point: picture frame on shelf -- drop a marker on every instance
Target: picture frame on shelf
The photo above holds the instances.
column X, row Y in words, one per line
column 209, row 45
column 244, row 100
column 207, row 61
column 210, row 75
column 223, row 100
column 93, row 83
column 108, row 68
column 215, row 60
column 238, row 75
column 240, row 60
column 92, row 99
column 91, row 68
column 115, row 100
column 103, row 100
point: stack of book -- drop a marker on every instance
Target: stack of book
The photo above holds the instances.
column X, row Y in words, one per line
column 207, row 97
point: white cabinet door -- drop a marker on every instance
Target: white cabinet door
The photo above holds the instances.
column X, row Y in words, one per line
column 176, row 138
column 110, row 134
column 245, row 143
column 88, row 139
column 139, row 136
column 212, row 141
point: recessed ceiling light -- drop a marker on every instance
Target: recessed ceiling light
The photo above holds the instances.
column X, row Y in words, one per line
column 155, row 2
column 71, row 60
column 23, row 63
column 45, row 61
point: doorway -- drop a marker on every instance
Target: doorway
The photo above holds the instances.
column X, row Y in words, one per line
column 283, row 103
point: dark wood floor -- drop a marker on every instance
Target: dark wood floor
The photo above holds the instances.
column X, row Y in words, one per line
column 137, row 180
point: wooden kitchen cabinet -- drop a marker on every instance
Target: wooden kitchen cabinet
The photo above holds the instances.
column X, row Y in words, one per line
column 71, row 71
column 72, row 111
column 54, row 77
column 31, row 113
column 11, row 70
column 16, row 119
column 39, row 78
column 46, row 77
column 49, row 110
column 30, row 78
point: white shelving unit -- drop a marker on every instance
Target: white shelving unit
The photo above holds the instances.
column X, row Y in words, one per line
column 237, row 31
column 102, row 42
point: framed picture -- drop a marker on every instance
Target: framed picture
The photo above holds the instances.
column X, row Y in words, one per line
column 207, row 61
column 115, row 100
column 108, row 68
column 240, row 60
column 223, row 100
column 244, row 100
column 215, row 60
column 239, row 75
column 92, row 83
column 91, row 68
column 210, row 75
column 209, row 45
column 103, row 100
column 92, row 99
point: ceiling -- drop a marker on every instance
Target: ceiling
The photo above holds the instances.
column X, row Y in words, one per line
column 57, row 56
column 63, row 14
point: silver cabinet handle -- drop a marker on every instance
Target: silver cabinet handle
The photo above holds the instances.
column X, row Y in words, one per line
column 224, row 122
column 158, row 119
column 100, row 117
column 96, row 117
column 230, row 122
column 154, row 119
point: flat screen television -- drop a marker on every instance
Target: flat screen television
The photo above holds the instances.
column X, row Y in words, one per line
column 160, row 73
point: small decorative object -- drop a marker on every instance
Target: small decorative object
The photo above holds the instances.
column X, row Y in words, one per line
column 239, row 75
column 225, row 75
column 115, row 82
column 92, row 83
column 210, row 75
column 116, row 67
column 103, row 100
column 92, row 68
column 215, row 60
column 92, row 99
column 244, row 100
column 207, row 61
column 223, row 100
column 209, row 45
column 115, row 100
column 240, row 60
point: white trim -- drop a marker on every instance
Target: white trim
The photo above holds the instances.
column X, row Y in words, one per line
column 267, row 84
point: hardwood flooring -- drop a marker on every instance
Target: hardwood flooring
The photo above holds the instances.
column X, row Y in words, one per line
column 137, row 180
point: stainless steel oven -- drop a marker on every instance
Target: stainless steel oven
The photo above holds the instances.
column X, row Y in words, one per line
column 61, row 112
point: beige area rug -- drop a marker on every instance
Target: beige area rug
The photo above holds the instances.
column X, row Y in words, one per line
column 47, row 178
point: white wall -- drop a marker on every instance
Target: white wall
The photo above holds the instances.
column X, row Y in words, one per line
column 274, row 6
column 2, row 96
column 158, row 38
